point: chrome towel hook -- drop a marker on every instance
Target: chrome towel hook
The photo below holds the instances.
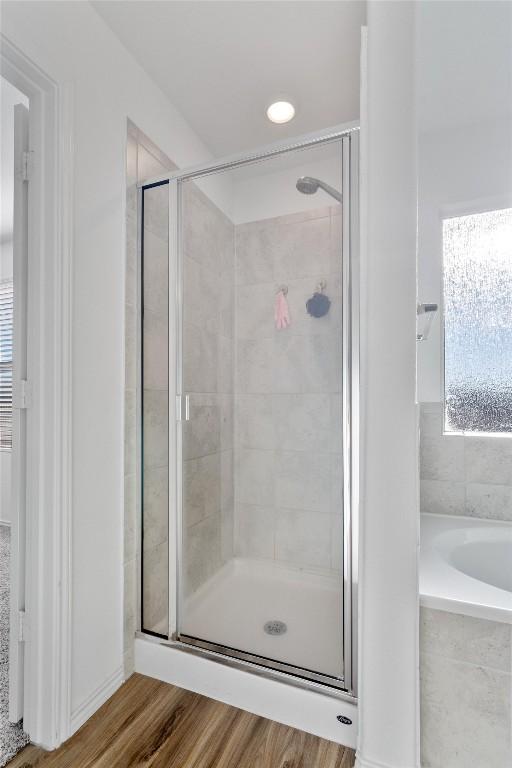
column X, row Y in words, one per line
column 429, row 311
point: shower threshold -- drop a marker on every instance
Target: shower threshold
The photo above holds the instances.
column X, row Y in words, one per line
column 319, row 709
column 277, row 616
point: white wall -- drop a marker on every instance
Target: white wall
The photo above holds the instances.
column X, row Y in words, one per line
column 388, row 593
column 72, row 44
column 463, row 62
column 460, row 170
column 464, row 97
column 464, row 137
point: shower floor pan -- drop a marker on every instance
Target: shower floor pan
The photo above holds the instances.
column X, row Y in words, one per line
column 272, row 611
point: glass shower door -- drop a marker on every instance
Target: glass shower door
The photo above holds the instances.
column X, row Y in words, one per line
column 263, row 426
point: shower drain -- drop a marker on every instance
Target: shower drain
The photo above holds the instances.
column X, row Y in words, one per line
column 275, row 627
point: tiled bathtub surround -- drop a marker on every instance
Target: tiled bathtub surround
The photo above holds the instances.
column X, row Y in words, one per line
column 466, row 691
column 288, row 392
column 463, row 475
column 208, row 503
column 466, row 683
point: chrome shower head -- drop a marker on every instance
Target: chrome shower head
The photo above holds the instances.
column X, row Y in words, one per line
column 308, row 185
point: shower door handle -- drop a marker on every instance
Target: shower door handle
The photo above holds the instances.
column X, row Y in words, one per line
column 182, row 408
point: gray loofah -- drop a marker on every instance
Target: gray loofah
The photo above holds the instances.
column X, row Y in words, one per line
column 318, row 305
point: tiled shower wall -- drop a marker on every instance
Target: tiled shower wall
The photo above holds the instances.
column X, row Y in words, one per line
column 288, row 483
column 144, row 160
column 155, row 411
column 208, row 503
column 208, row 376
column 463, row 475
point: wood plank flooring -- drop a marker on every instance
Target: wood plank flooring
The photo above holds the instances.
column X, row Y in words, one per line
column 152, row 724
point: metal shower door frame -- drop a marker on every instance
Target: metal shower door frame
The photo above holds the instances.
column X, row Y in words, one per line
column 348, row 137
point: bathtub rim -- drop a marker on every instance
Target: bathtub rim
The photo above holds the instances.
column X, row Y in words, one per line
column 443, row 587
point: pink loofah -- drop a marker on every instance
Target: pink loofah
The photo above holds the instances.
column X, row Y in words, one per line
column 281, row 314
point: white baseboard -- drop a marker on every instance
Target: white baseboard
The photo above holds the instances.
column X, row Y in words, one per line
column 95, row 700
column 5, row 522
column 307, row 710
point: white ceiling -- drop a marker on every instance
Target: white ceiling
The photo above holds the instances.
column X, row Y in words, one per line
column 222, row 63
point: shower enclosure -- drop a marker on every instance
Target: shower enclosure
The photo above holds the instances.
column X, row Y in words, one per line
column 250, row 421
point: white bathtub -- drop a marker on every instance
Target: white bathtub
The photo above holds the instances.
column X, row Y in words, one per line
column 466, row 566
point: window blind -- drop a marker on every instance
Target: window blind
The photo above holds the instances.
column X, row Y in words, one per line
column 6, row 305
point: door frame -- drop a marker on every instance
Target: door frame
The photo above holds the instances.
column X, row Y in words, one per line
column 47, row 655
column 17, row 515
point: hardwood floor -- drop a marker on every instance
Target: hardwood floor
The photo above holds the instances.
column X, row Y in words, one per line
column 155, row 725
column 27, row 758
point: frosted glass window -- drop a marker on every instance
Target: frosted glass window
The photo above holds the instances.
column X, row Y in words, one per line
column 477, row 256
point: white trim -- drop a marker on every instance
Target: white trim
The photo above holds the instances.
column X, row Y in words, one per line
column 388, row 686
column 48, row 535
column 365, row 762
column 64, row 343
column 311, row 711
column 21, row 195
column 96, row 699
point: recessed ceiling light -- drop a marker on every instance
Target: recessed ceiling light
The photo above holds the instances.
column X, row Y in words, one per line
column 281, row 112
